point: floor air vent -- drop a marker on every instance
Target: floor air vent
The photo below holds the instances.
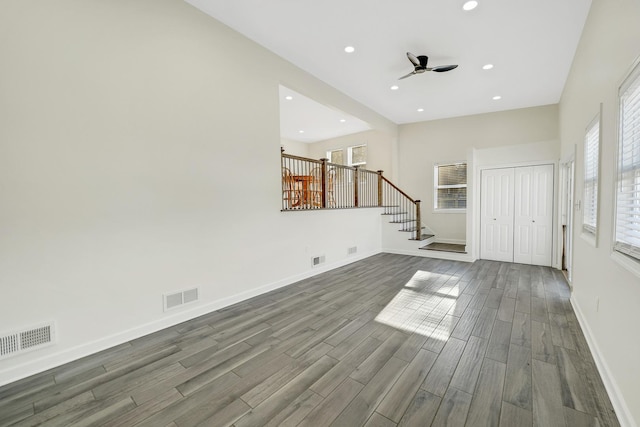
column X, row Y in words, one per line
column 177, row 299
column 26, row 340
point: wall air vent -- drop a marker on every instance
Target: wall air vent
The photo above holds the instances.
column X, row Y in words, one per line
column 26, row 340
column 352, row 250
column 176, row 299
column 317, row 260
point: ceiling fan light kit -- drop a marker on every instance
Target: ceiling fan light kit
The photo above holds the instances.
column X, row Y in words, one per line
column 420, row 65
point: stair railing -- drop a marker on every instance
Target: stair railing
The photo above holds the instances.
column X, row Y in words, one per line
column 309, row 184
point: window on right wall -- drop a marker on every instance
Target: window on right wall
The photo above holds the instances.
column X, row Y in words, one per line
column 627, row 218
column 591, row 173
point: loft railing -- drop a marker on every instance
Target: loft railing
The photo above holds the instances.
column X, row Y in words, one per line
column 309, row 184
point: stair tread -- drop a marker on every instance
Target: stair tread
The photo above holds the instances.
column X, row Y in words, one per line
column 395, row 213
column 445, row 247
column 402, row 221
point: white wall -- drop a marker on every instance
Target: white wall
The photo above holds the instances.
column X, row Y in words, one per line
column 422, row 145
column 295, row 148
column 609, row 46
column 380, row 148
column 140, row 154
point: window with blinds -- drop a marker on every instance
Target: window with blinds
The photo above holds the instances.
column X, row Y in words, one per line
column 591, row 167
column 450, row 190
column 627, row 234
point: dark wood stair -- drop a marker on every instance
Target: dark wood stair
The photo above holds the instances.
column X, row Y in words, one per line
column 445, row 247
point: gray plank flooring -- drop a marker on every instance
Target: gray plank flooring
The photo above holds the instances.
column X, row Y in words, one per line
column 391, row 340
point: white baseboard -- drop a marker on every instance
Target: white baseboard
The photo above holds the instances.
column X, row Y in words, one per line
column 617, row 400
column 52, row 360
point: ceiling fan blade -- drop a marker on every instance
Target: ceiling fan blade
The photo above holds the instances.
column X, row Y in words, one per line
column 415, row 61
column 443, row 68
column 408, row 75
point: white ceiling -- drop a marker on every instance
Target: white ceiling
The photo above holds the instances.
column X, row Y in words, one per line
column 531, row 44
column 305, row 120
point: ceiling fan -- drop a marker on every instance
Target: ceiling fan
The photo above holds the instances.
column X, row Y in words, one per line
column 420, row 64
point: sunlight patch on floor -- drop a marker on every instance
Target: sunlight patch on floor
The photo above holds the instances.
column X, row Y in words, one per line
column 421, row 306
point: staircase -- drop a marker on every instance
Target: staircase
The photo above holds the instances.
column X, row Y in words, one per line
column 403, row 214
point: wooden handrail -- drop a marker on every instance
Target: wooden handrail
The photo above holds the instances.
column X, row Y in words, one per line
column 306, row 159
column 398, row 190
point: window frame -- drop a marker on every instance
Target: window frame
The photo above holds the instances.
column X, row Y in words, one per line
column 436, row 187
column 625, row 253
column 590, row 231
column 329, row 156
column 350, row 155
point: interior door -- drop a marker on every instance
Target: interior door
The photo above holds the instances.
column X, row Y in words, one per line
column 542, row 220
column 533, row 215
column 496, row 217
column 523, row 215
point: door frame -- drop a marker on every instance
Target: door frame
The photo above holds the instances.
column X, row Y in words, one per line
column 566, row 213
column 555, row 258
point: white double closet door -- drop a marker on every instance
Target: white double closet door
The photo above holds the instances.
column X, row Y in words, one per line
column 517, row 214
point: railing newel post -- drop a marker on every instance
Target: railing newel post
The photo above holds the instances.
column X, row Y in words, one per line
column 418, row 221
column 355, row 186
column 323, row 203
column 379, row 188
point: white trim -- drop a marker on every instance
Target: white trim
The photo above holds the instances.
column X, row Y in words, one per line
column 20, row 371
column 450, row 211
column 589, row 237
column 615, row 395
column 628, row 263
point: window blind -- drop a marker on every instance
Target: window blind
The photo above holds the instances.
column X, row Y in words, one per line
column 591, row 156
column 627, row 238
column 451, row 186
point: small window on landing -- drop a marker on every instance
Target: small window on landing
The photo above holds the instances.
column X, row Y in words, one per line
column 336, row 156
column 357, row 156
column 450, row 187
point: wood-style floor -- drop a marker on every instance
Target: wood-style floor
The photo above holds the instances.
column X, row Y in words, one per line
column 390, row 340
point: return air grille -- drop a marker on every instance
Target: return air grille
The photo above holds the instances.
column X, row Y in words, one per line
column 176, row 299
column 25, row 340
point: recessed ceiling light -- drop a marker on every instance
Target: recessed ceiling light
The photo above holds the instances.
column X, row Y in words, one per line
column 300, row 131
column 288, row 97
column 349, row 49
column 395, row 87
column 342, row 120
column 497, row 97
column 487, row 66
column 470, row 5
column 420, row 110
